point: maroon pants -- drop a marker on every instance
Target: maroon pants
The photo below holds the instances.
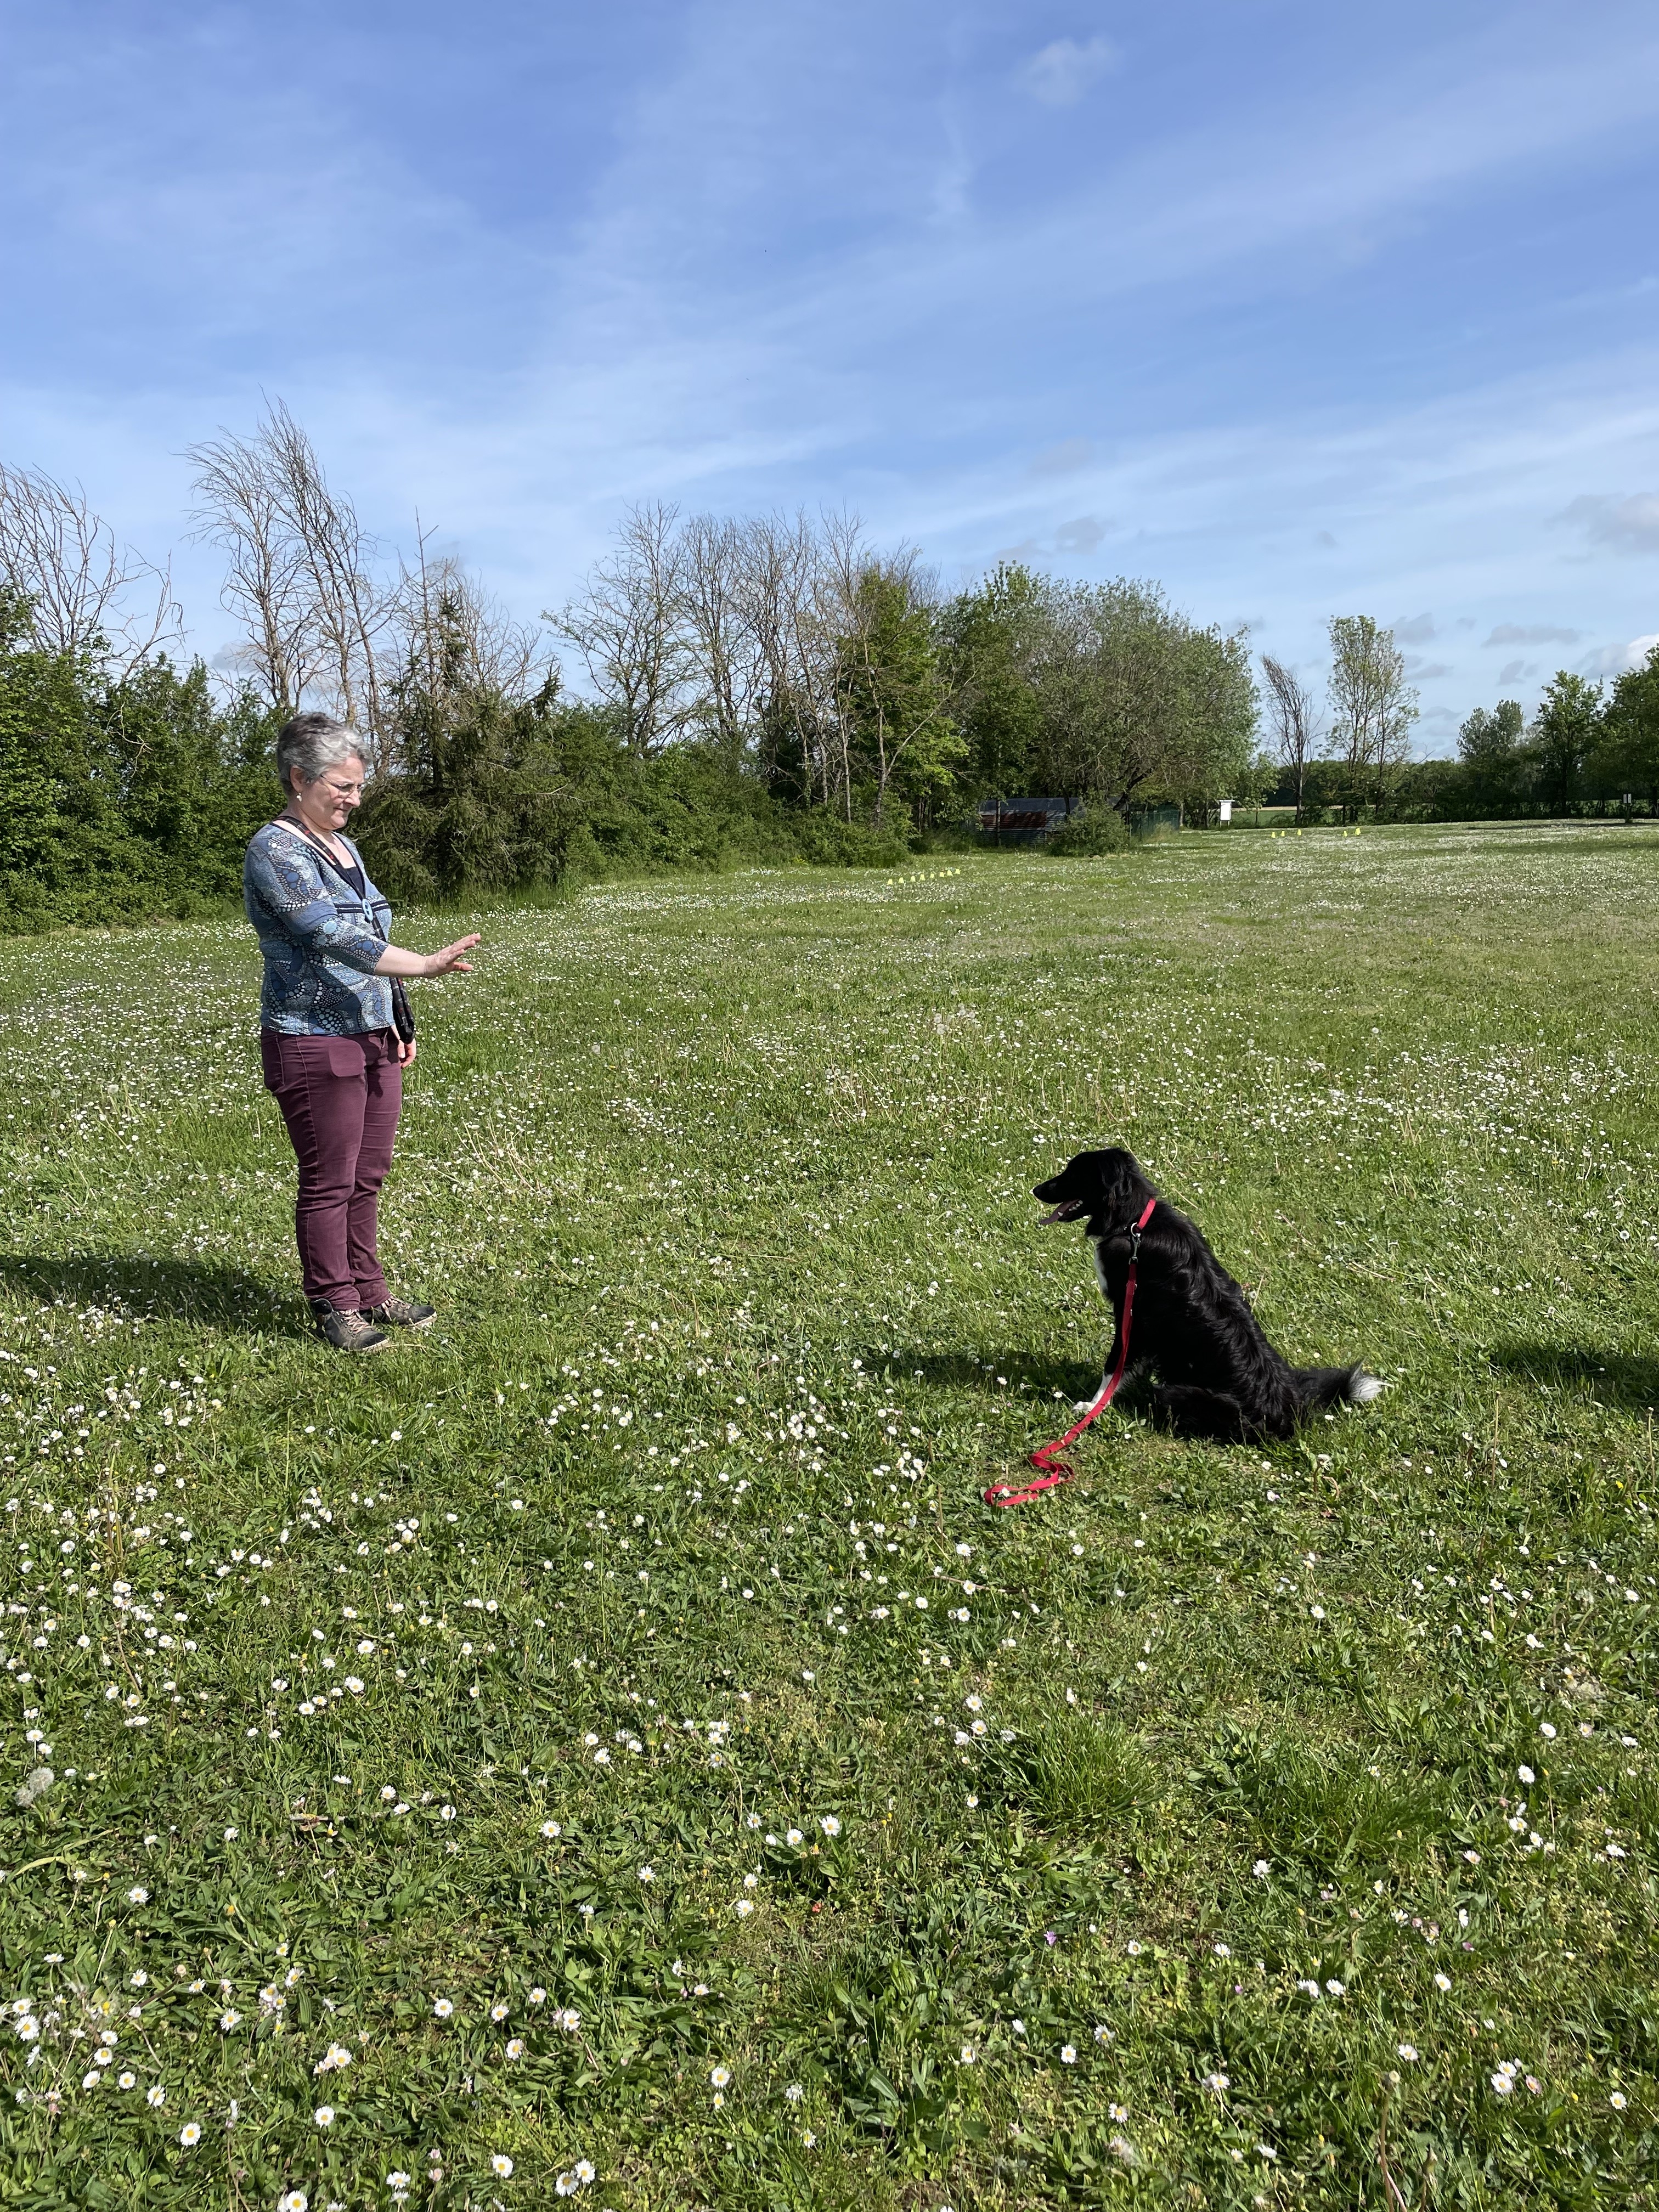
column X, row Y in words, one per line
column 339, row 1097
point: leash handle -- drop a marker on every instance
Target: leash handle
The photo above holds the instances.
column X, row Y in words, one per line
column 1054, row 1469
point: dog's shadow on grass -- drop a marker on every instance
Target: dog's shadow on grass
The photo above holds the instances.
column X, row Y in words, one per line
column 1039, row 1374
column 1627, row 1380
column 155, row 1290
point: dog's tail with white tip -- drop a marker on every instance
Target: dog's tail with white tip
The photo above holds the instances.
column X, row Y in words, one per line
column 1336, row 1386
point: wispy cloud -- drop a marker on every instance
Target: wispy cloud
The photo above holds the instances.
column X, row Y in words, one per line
column 1059, row 74
column 519, row 274
column 1628, row 526
column 1531, row 634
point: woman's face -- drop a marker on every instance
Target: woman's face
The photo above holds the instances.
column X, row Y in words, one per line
column 329, row 799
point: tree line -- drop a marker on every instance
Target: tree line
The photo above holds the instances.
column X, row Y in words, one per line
column 1589, row 749
column 716, row 689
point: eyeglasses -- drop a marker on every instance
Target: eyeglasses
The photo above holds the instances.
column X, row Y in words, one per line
column 344, row 790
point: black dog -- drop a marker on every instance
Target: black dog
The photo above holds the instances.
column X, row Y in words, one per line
column 1219, row 1376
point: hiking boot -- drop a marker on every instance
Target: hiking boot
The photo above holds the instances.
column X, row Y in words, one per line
column 347, row 1331
column 401, row 1312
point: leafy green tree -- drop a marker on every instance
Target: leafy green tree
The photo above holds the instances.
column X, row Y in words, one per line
column 1372, row 707
column 1137, row 703
column 892, row 698
column 1493, row 764
column 1488, row 740
column 1627, row 755
column 1564, row 732
column 987, row 637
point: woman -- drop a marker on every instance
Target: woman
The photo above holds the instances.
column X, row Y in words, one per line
column 328, row 1036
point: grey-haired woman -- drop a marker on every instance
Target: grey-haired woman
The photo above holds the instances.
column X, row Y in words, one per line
column 329, row 1039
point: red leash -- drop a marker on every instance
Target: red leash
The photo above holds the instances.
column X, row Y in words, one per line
column 1055, row 1469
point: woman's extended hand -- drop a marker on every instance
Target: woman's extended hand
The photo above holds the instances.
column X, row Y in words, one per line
column 450, row 960
column 394, row 961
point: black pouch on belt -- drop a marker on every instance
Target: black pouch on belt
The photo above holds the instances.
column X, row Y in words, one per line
column 403, row 1014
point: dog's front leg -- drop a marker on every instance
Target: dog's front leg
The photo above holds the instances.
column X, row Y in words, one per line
column 1083, row 1405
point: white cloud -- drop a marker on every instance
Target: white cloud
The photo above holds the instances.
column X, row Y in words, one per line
column 1061, row 73
column 1418, row 631
column 1614, row 659
column 1628, row 526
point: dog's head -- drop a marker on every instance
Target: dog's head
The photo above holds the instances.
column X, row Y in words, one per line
column 1107, row 1189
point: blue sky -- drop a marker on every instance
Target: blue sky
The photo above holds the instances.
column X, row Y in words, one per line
column 1300, row 310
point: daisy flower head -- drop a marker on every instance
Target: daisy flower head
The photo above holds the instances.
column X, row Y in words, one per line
column 551, row 1830
column 1443, row 1982
column 190, row 2134
column 127, row 2082
column 830, row 1825
column 1068, row 2054
column 443, row 2010
column 156, row 2097
column 1408, row 2052
column 719, row 2076
column 293, row 2199
column 515, row 2047
column 1617, row 2100
column 501, row 2164
column 585, row 2171
column 324, row 2116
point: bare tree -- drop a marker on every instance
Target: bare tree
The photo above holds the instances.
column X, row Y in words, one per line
column 1296, row 724
column 448, row 630
column 628, row 624
column 305, row 572
column 716, row 564
column 781, row 604
column 239, row 509
column 61, row 560
column 349, row 608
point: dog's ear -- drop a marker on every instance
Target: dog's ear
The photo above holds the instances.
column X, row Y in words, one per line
column 1124, row 1187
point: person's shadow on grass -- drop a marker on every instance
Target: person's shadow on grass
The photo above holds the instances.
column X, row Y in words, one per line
column 158, row 1290
column 1627, row 1380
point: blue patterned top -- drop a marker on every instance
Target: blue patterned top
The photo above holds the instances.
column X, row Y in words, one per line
column 320, row 941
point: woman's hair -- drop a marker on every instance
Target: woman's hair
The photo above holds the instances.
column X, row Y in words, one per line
column 311, row 742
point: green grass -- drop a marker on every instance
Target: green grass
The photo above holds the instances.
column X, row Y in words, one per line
column 1204, row 1768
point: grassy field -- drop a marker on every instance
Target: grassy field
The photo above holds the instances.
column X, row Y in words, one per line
column 610, row 1735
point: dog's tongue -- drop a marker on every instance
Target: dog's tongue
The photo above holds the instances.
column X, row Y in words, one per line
column 1063, row 1212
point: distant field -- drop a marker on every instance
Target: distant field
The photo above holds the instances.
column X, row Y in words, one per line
column 615, row 1729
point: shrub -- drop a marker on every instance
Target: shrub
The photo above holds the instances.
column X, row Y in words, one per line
column 1086, row 835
